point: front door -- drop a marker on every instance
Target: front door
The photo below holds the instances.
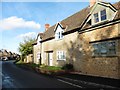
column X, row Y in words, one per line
column 50, row 58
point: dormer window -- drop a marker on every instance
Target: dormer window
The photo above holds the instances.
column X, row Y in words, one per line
column 58, row 32
column 38, row 40
column 103, row 15
column 102, row 12
column 100, row 16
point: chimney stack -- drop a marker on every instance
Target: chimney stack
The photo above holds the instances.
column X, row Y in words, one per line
column 46, row 27
column 92, row 2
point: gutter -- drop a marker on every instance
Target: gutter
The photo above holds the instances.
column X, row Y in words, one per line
column 99, row 26
column 47, row 39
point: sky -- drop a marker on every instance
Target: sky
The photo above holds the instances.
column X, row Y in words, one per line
column 22, row 19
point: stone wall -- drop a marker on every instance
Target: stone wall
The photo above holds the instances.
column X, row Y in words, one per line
column 79, row 52
column 104, row 66
column 36, row 50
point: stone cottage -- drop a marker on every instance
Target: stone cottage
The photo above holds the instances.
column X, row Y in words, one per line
column 89, row 39
column 37, row 49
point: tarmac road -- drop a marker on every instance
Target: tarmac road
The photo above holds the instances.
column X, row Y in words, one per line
column 15, row 77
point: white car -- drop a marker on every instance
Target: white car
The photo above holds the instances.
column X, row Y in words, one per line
column 5, row 58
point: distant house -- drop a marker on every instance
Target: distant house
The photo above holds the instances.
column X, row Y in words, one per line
column 89, row 39
column 5, row 55
column 10, row 55
column 1, row 54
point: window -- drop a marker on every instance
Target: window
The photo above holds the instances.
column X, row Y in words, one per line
column 112, row 49
column 59, row 35
column 103, row 15
column 96, row 18
column 38, row 55
column 61, row 55
column 104, row 48
column 100, row 16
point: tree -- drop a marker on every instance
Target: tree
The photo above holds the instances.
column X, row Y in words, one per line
column 26, row 47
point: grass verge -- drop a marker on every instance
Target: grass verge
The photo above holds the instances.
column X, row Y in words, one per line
column 44, row 69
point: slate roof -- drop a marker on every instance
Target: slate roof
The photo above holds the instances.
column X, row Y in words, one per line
column 71, row 23
column 75, row 21
column 117, row 6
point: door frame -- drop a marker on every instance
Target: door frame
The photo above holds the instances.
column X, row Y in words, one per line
column 50, row 62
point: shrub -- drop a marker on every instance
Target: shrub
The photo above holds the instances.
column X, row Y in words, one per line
column 68, row 67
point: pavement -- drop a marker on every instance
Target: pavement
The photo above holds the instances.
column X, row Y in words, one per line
column 91, row 81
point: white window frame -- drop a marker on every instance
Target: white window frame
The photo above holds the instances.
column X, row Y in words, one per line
column 99, row 16
column 103, row 14
column 96, row 18
column 59, row 35
column 60, row 55
column 38, row 55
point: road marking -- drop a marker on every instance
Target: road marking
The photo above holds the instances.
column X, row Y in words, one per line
column 70, row 83
column 89, row 83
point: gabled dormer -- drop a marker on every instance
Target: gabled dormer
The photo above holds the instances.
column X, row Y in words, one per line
column 102, row 12
column 39, row 37
column 59, row 29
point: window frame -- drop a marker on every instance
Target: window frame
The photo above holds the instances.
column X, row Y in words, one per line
column 58, row 34
column 99, row 16
column 60, row 54
column 107, row 49
column 95, row 18
column 103, row 15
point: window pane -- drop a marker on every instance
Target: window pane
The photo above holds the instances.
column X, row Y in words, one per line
column 96, row 15
column 103, row 12
column 59, row 35
column 112, row 49
column 96, row 18
column 103, row 15
column 103, row 50
column 96, row 49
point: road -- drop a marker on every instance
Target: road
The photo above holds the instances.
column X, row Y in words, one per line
column 15, row 77
column 12, row 76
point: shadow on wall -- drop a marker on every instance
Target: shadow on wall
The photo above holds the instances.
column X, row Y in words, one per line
column 79, row 53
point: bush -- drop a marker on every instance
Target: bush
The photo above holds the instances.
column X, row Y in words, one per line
column 68, row 67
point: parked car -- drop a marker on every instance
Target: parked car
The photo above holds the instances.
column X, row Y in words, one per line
column 5, row 58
